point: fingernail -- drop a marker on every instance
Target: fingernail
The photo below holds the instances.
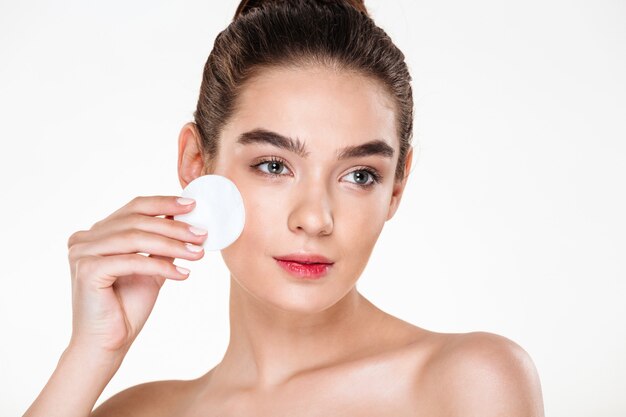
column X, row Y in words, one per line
column 193, row 248
column 185, row 201
column 182, row 270
column 197, row 231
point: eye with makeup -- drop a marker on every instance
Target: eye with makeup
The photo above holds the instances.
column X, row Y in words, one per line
column 275, row 165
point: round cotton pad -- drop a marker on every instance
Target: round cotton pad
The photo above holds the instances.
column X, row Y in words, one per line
column 219, row 209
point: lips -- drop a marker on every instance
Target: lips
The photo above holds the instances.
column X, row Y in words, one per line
column 308, row 266
column 301, row 258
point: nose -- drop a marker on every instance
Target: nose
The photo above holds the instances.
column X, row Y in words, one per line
column 311, row 212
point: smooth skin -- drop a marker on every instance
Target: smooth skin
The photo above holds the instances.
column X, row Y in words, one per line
column 297, row 348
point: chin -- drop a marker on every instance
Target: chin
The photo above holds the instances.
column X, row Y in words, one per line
column 292, row 296
column 306, row 302
column 259, row 276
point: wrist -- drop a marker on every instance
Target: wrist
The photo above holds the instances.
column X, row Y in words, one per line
column 91, row 356
column 79, row 379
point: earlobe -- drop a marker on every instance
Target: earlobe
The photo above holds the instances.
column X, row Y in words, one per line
column 190, row 161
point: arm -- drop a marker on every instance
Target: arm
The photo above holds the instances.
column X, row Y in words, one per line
column 114, row 289
column 76, row 384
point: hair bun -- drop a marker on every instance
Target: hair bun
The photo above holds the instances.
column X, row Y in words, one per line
column 246, row 6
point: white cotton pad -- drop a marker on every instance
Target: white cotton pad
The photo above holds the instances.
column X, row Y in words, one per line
column 219, row 209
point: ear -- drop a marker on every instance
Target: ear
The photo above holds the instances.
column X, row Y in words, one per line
column 190, row 161
column 398, row 186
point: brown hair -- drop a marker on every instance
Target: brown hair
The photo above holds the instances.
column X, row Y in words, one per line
column 276, row 33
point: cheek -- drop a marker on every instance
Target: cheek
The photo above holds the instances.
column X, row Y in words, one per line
column 263, row 217
column 354, row 237
column 247, row 253
column 359, row 224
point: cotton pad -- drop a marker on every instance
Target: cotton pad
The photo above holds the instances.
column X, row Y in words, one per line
column 219, row 209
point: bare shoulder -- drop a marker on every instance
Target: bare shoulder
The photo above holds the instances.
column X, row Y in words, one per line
column 155, row 399
column 481, row 373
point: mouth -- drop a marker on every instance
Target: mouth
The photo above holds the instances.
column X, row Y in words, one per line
column 306, row 266
column 305, row 258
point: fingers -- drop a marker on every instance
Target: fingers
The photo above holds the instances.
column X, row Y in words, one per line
column 103, row 271
column 141, row 206
column 153, row 206
column 165, row 258
column 132, row 230
column 136, row 241
column 165, row 226
column 111, row 252
column 137, row 216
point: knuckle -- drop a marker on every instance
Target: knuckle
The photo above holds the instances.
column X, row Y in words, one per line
column 182, row 231
column 85, row 265
column 70, row 240
column 133, row 236
column 138, row 221
column 137, row 200
column 136, row 262
column 163, row 267
column 73, row 250
column 97, row 224
column 73, row 237
column 133, row 203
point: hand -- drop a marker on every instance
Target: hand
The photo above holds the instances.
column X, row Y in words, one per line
column 114, row 286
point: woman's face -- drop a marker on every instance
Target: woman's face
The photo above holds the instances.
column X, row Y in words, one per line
column 310, row 201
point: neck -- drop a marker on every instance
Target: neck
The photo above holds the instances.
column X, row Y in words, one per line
column 268, row 346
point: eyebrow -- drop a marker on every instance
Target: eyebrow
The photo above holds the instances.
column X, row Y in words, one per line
column 375, row 147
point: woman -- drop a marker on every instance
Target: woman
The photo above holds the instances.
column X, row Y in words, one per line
column 306, row 106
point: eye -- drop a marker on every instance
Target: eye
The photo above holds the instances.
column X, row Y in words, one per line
column 274, row 166
column 365, row 177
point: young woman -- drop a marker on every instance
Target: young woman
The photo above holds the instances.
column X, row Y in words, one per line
column 306, row 106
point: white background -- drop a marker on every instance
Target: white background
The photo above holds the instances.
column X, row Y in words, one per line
column 512, row 221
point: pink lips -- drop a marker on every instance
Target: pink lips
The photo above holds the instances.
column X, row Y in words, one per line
column 307, row 266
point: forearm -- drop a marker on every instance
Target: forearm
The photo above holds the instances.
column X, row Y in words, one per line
column 76, row 384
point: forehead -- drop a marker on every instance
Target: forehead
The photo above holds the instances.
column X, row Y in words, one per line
column 317, row 103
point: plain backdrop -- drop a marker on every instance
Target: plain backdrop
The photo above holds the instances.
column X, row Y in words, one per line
column 513, row 220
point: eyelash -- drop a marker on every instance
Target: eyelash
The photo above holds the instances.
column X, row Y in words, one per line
column 376, row 177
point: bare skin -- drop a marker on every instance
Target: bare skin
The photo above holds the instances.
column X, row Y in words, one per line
column 297, row 347
column 411, row 373
column 349, row 358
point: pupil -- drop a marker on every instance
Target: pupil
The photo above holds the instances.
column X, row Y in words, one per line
column 361, row 175
column 275, row 165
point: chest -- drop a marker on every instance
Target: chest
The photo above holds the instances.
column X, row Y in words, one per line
column 375, row 388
